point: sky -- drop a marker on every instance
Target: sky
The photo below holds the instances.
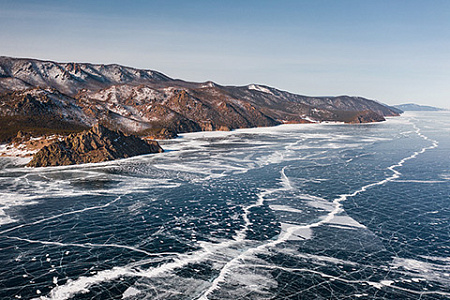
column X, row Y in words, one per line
column 395, row 51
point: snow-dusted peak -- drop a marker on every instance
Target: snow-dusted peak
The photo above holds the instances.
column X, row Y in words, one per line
column 259, row 88
column 208, row 84
column 72, row 77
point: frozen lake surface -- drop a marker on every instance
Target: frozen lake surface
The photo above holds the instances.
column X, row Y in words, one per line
column 312, row 211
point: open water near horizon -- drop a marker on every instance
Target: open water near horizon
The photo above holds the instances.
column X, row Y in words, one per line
column 320, row 211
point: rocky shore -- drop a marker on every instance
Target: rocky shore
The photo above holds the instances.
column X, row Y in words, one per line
column 97, row 144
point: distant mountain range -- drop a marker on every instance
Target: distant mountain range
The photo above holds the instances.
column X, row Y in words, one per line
column 49, row 97
column 417, row 107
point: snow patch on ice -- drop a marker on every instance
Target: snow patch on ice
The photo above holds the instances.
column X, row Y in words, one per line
column 130, row 292
column 346, row 221
column 430, row 271
column 293, row 232
column 284, row 208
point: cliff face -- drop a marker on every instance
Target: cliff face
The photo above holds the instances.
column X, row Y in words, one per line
column 95, row 145
column 40, row 96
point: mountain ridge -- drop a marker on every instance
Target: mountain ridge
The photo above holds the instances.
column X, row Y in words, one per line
column 148, row 103
column 417, row 107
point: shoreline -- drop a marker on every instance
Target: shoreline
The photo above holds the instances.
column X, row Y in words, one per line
column 27, row 148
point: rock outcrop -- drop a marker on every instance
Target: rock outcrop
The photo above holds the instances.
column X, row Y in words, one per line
column 94, row 145
column 366, row 117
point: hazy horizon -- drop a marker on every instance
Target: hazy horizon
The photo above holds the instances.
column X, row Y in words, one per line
column 393, row 52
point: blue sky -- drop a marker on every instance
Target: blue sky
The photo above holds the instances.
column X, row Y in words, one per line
column 394, row 51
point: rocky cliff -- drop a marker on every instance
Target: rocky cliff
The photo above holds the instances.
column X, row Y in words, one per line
column 40, row 96
column 94, row 145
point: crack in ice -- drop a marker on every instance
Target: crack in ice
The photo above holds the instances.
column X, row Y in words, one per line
column 91, row 245
column 337, row 209
column 62, row 215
